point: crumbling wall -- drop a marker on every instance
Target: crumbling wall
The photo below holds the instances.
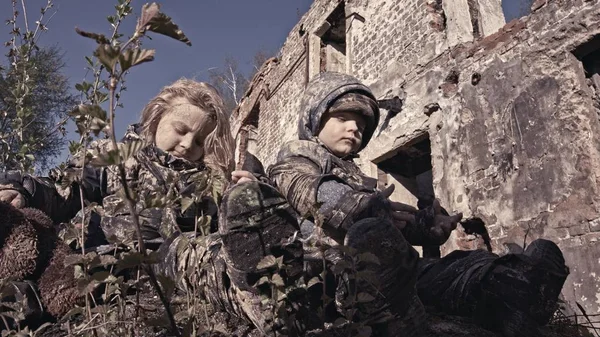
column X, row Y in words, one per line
column 514, row 137
column 511, row 118
column 277, row 86
column 400, row 33
column 380, row 35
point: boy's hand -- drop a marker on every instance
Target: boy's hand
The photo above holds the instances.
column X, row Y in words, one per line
column 401, row 213
column 238, row 177
column 443, row 225
column 13, row 197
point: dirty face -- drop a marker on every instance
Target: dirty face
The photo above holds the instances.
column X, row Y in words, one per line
column 183, row 130
column 342, row 132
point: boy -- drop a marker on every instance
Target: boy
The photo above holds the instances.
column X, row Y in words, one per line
column 338, row 118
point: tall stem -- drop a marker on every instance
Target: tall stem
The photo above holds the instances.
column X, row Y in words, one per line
column 114, row 79
column 25, row 16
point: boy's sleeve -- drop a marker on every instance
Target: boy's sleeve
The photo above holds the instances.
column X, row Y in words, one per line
column 300, row 180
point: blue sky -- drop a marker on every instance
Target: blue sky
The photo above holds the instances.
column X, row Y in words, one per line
column 217, row 29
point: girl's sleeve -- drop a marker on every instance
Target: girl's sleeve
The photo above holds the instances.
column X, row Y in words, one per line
column 60, row 202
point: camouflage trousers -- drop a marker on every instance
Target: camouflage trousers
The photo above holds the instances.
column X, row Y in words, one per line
column 199, row 267
column 227, row 268
column 513, row 294
column 255, row 268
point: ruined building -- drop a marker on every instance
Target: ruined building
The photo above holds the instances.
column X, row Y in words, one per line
column 498, row 120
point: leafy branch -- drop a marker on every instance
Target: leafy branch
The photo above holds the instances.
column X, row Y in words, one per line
column 116, row 58
column 21, row 83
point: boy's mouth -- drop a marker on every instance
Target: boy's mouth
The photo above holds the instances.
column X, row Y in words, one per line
column 351, row 141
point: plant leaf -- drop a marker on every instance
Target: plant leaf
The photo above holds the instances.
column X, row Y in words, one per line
column 132, row 57
column 186, row 203
column 267, row 262
column 108, row 56
column 89, row 110
column 130, row 260
column 277, row 280
column 86, row 285
column 99, row 38
column 130, row 148
column 154, row 20
column 261, row 281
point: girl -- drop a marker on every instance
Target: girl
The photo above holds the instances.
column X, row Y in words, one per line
column 177, row 176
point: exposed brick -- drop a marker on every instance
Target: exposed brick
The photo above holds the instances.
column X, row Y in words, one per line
column 595, row 225
column 578, row 229
column 592, row 238
column 528, row 121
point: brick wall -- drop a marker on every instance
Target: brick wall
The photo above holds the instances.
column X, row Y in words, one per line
column 394, row 32
column 512, row 117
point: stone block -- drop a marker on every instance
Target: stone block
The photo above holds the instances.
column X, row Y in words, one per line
column 595, row 225
column 578, row 229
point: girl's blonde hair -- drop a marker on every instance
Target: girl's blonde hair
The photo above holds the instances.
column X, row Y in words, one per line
column 218, row 145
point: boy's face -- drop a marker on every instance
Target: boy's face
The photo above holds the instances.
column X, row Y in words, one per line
column 342, row 132
column 182, row 130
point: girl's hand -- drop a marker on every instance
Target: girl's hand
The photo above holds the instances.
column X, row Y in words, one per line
column 238, row 177
column 13, row 197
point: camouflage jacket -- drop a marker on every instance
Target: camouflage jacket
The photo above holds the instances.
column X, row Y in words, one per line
column 171, row 194
column 303, row 165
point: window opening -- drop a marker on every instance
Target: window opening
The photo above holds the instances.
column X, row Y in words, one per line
column 589, row 56
column 333, row 41
column 514, row 9
column 411, row 169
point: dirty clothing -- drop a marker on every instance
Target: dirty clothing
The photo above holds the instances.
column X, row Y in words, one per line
column 513, row 294
column 176, row 201
column 177, row 206
column 334, row 195
column 160, row 181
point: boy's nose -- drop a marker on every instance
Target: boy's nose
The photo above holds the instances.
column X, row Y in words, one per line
column 352, row 126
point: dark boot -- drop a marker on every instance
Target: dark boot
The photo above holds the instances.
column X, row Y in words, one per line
column 257, row 222
column 520, row 292
column 552, row 275
column 382, row 285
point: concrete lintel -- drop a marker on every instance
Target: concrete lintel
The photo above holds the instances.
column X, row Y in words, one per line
column 459, row 28
column 491, row 16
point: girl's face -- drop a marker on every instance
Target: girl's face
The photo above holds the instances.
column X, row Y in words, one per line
column 182, row 130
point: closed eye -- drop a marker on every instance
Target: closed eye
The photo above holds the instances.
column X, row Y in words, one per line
column 180, row 128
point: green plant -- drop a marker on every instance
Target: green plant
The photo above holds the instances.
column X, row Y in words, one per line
column 113, row 59
column 34, row 95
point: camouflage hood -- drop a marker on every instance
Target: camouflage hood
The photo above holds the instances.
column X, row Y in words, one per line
column 322, row 92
